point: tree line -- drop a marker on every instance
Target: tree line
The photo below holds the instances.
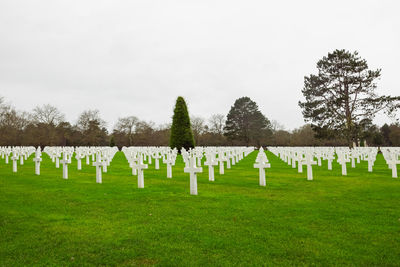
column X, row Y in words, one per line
column 244, row 125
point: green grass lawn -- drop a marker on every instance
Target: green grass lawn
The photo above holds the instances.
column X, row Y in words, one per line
column 332, row 220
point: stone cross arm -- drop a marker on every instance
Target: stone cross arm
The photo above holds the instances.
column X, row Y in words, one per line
column 262, row 165
column 192, row 169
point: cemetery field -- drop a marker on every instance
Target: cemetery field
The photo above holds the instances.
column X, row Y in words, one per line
column 332, row 220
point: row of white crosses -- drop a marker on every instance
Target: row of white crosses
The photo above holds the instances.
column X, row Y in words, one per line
column 101, row 157
column 303, row 156
column 19, row 153
column 392, row 158
column 213, row 155
column 135, row 160
column 55, row 153
column 306, row 156
column 354, row 155
column 5, row 153
column 137, row 156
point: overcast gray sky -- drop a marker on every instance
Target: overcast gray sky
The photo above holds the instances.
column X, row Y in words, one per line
column 135, row 57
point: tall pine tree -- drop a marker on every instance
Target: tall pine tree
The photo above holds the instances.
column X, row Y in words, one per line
column 341, row 98
column 181, row 132
column 246, row 124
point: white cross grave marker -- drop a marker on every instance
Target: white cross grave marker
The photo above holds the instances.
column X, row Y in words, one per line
column 169, row 161
column 140, row 166
column 210, row 162
column 221, row 159
column 65, row 162
column 393, row 161
column 193, row 170
column 261, row 167
column 342, row 159
column 98, row 164
column 309, row 162
column 14, row 159
column 157, row 162
column 37, row 161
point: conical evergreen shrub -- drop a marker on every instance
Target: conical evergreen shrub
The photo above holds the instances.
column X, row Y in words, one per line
column 181, row 132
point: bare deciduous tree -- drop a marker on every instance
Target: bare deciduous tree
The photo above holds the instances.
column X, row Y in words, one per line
column 4, row 109
column 198, row 127
column 127, row 125
column 12, row 124
column 304, row 136
column 217, row 123
column 276, row 126
column 88, row 116
column 47, row 114
column 2, row 104
column 9, row 117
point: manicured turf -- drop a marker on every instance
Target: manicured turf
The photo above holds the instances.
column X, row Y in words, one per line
column 333, row 220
